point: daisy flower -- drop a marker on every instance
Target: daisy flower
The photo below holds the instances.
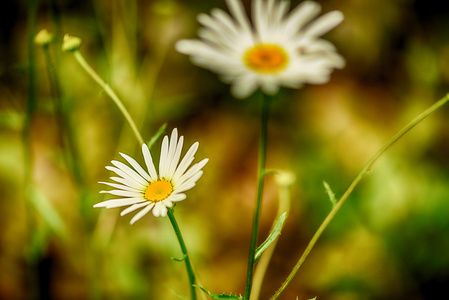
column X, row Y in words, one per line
column 278, row 48
column 146, row 189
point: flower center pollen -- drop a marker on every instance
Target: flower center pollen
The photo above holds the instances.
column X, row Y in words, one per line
column 158, row 190
column 266, row 58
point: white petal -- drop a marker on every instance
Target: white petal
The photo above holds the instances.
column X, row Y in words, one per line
column 238, row 12
column 135, row 207
column 122, row 187
column 190, row 183
column 124, row 193
column 270, row 87
column 225, row 20
column 140, row 214
column 185, row 162
column 136, row 166
column 130, row 183
column 223, row 31
column 149, row 162
column 118, row 202
column 301, row 15
column 241, row 90
column 174, row 154
column 167, row 203
column 130, row 172
column 163, row 158
column 191, row 172
column 159, row 210
column 325, row 23
column 177, row 197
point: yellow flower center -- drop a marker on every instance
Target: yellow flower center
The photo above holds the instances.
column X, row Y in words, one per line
column 266, row 58
column 158, row 190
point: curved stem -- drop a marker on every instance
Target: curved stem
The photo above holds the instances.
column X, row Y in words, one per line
column 185, row 254
column 352, row 186
column 79, row 57
column 261, row 175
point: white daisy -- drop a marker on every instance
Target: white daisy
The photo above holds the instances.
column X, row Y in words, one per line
column 279, row 48
column 148, row 190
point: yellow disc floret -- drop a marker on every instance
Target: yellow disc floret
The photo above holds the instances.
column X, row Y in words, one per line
column 158, row 190
column 266, row 58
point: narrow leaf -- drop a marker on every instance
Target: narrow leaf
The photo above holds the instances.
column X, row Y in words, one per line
column 330, row 194
column 222, row 296
column 179, row 259
column 270, row 239
column 157, row 135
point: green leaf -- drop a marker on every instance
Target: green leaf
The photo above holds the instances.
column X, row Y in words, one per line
column 222, row 296
column 273, row 235
column 330, row 194
column 179, row 259
column 157, row 135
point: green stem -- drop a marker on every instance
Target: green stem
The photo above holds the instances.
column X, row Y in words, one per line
column 262, row 265
column 79, row 57
column 261, row 176
column 185, row 254
column 66, row 132
column 351, row 188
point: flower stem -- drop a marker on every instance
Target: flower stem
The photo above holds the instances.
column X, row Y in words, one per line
column 261, row 176
column 352, row 186
column 262, row 266
column 79, row 57
column 185, row 254
column 66, row 133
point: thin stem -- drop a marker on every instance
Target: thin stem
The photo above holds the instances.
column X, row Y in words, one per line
column 261, row 175
column 185, row 254
column 262, row 265
column 351, row 188
column 79, row 57
column 66, row 135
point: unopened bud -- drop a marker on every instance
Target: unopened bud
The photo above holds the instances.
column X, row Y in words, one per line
column 43, row 38
column 71, row 43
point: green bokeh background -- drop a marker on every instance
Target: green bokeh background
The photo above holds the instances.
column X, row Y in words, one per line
column 390, row 240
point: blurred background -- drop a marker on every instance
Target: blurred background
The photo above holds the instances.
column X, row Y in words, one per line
column 58, row 131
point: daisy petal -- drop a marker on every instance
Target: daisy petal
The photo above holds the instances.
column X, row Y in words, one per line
column 149, row 162
column 118, row 202
column 136, row 166
column 129, row 183
column 185, row 162
column 324, row 24
column 123, row 193
column 122, row 187
column 164, row 158
column 135, row 207
column 140, row 214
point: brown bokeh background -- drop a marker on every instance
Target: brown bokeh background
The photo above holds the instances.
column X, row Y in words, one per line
column 389, row 241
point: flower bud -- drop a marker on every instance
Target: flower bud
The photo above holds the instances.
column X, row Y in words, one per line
column 43, row 38
column 71, row 43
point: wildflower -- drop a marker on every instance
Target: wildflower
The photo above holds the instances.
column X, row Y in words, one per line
column 151, row 191
column 279, row 48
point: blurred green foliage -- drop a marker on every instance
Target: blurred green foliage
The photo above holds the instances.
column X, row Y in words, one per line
column 389, row 241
